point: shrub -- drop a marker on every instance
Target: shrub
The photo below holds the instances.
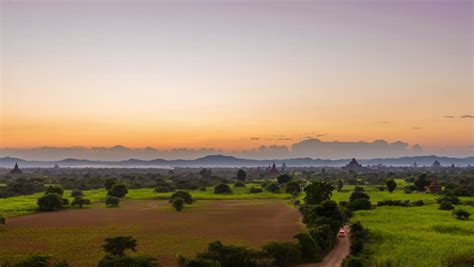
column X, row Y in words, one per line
column 186, row 196
column 77, row 193
column 284, row 253
column 126, row 261
column 358, row 195
column 448, row 198
column 116, row 246
column 39, row 261
column 218, row 254
column 273, row 187
column 324, row 237
column 79, row 201
column 109, row 183
column 241, row 175
column 418, row 203
column 118, row 190
column 222, row 189
column 54, row 189
column 391, row 185
column 283, row 179
column 239, row 184
column 203, row 189
column 178, row 203
column 390, row 202
column 164, row 189
column 112, row 201
column 461, row 214
column 50, row 202
column 292, row 188
column 445, row 206
column 255, row 190
column 308, row 247
column 359, row 204
column 352, row 261
column 359, row 189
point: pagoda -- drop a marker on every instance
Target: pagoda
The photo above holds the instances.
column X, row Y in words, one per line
column 273, row 170
column 436, row 164
column 354, row 165
column 434, row 186
column 16, row 170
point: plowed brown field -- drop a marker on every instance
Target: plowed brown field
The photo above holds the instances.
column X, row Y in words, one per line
column 76, row 235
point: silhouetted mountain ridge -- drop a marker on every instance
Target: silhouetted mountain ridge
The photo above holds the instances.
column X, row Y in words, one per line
column 230, row 161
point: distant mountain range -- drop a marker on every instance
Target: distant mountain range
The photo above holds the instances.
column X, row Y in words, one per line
column 229, row 161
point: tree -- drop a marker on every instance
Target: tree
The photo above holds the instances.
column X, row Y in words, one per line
column 317, row 192
column 112, row 201
column 56, row 189
column 205, row 173
column 241, row 175
column 358, row 195
column 79, row 201
column 461, row 214
column 292, row 188
column 283, row 179
column 273, row 187
column 340, row 185
column 421, row 182
column 109, row 183
column 116, row 246
column 284, row 253
column 186, row 196
column 391, row 185
column 308, row 247
column 50, row 202
column 118, row 190
column 178, row 203
column 77, row 193
column 222, row 189
column 324, row 236
column 40, row 261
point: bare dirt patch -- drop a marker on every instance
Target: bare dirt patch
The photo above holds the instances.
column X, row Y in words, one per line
column 76, row 235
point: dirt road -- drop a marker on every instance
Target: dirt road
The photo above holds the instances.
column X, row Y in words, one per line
column 337, row 255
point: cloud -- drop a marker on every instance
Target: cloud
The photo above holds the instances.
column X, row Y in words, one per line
column 465, row 116
column 255, row 138
column 416, row 128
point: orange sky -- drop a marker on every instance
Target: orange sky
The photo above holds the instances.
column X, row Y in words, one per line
column 235, row 78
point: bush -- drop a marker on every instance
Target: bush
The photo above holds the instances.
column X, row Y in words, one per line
column 255, row 190
column 79, row 201
column 284, row 253
column 292, row 188
column 54, row 189
column 186, row 196
column 273, row 187
column 112, row 201
column 451, row 199
column 324, row 237
column 283, row 179
column 445, row 206
column 178, row 203
column 409, row 189
column 241, row 175
column 391, row 185
column 418, row 203
column 352, row 261
column 118, row 190
column 308, row 247
column 126, row 261
column 222, row 189
column 50, row 202
column 239, row 184
column 164, row 189
column 39, row 261
column 77, row 193
column 461, row 214
column 218, row 254
column 358, row 195
column 359, row 204
column 390, row 202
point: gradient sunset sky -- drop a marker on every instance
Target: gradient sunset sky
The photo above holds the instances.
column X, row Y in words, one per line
column 235, row 75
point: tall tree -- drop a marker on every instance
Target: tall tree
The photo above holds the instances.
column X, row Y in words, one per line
column 317, row 192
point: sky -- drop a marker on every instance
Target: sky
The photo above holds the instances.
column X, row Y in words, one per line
column 237, row 75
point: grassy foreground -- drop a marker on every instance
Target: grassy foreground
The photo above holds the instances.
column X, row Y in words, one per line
column 418, row 236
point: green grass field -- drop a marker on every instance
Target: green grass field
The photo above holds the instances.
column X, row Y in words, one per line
column 23, row 205
column 418, row 236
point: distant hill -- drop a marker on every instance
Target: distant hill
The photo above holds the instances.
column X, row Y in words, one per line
column 229, row 161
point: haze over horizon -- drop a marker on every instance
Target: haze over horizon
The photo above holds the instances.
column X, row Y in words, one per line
column 253, row 79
